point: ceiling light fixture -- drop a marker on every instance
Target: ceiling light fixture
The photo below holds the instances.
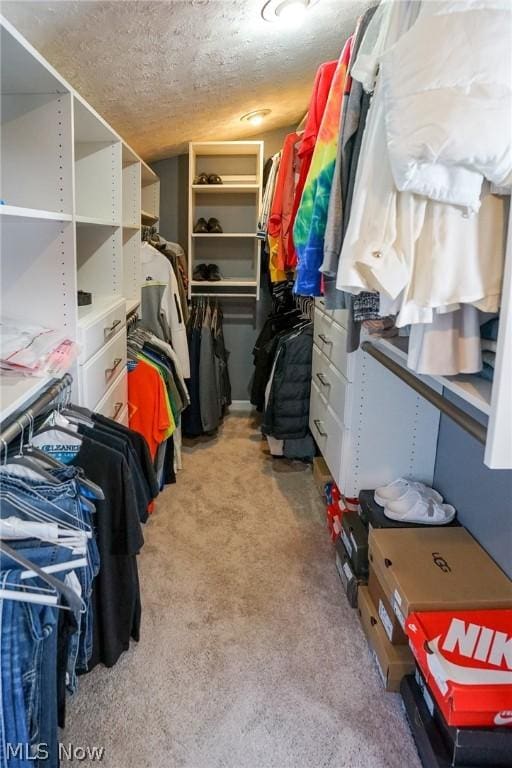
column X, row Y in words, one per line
column 256, row 117
column 292, row 12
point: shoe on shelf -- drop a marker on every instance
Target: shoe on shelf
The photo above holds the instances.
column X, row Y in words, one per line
column 214, row 178
column 201, row 226
column 202, row 178
column 200, row 272
column 214, row 273
column 399, row 488
column 214, row 226
column 416, row 508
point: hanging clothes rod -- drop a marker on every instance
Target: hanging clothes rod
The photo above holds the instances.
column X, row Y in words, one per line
column 37, row 407
column 456, row 414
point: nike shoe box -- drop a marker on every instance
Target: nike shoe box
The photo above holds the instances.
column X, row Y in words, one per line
column 387, row 617
column 466, row 660
column 347, row 576
column 435, row 569
column 392, row 661
column 355, row 538
column 372, row 515
column 440, row 745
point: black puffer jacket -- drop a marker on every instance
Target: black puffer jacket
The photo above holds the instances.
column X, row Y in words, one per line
column 287, row 413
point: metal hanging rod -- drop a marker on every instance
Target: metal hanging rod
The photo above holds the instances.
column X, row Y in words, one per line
column 37, row 407
column 456, row 414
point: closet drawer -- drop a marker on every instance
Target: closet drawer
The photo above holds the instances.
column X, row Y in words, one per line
column 97, row 327
column 327, row 431
column 332, row 385
column 339, row 316
column 116, row 398
column 98, row 373
column 331, row 339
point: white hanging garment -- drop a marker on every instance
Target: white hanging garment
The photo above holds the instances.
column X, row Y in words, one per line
column 447, row 346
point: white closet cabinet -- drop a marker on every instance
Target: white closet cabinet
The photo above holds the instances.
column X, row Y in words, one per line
column 369, row 427
column 73, row 195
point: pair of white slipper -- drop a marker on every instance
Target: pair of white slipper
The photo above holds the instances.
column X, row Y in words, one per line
column 408, row 501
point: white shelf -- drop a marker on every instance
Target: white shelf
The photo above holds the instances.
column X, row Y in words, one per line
column 131, row 305
column 16, row 391
column 92, row 221
column 225, row 188
column 101, row 305
column 231, row 283
column 131, row 226
column 224, row 234
column 148, row 218
column 471, row 388
column 33, row 213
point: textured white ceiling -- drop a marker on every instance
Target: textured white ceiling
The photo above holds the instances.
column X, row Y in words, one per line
column 165, row 73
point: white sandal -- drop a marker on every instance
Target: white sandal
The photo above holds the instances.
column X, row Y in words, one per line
column 398, row 489
column 415, row 508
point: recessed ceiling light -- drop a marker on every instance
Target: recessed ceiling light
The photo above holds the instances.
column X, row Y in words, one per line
column 256, row 117
column 289, row 11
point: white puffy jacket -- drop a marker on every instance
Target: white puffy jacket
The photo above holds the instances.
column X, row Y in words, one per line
column 447, row 87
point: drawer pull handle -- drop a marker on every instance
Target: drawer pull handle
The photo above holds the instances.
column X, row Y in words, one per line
column 323, row 381
column 325, row 339
column 109, row 372
column 317, row 423
column 117, row 410
column 109, row 331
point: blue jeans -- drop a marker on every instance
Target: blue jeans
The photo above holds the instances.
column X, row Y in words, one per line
column 28, row 638
column 57, row 500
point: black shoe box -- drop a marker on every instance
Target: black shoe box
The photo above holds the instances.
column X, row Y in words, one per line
column 441, row 745
column 372, row 515
column 355, row 539
column 346, row 573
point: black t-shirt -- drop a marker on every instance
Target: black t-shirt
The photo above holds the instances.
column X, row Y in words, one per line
column 103, row 434
column 140, row 447
column 116, row 597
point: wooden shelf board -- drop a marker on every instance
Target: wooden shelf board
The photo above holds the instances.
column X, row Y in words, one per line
column 225, row 188
column 92, row 221
column 33, row 213
column 148, row 218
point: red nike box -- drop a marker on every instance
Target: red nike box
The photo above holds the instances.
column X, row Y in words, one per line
column 466, row 659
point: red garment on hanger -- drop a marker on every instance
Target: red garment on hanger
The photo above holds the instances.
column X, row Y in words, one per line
column 321, row 88
column 149, row 414
column 282, row 202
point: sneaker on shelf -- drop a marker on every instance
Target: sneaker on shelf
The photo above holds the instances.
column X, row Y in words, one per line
column 200, row 272
column 201, row 226
column 214, row 225
column 213, row 273
column 400, row 487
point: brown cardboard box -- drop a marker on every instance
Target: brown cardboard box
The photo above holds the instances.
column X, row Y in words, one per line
column 436, row 569
column 387, row 618
column 393, row 661
column 321, row 474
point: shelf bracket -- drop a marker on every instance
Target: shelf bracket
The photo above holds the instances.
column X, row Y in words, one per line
column 456, row 414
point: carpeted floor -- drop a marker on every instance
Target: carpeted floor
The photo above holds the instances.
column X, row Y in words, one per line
column 250, row 656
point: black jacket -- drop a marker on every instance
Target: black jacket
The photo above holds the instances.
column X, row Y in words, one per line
column 287, row 412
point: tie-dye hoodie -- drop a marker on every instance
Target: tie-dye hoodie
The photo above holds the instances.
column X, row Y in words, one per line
column 309, row 227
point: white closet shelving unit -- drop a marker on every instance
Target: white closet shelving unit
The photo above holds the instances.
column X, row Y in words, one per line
column 236, row 204
column 150, row 203
column 72, row 194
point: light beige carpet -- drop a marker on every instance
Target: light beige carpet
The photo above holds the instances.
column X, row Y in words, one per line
column 250, row 656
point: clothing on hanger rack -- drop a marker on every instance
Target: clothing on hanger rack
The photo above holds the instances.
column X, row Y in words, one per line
column 209, row 386
column 72, row 516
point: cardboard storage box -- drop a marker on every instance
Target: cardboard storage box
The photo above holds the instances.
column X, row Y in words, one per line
column 466, row 660
column 393, row 661
column 436, row 569
column 440, row 746
column 372, row 515
column 389, row 621
column 468, row 746
column 355, row 539
column 321, row 474
column 347, row 576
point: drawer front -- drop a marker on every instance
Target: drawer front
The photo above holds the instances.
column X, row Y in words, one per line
column 115, row 400
column 333, row 387
column 331, row 339
column 339, row 316
column 327, row 431
column 98, row 373
column 94, row 336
